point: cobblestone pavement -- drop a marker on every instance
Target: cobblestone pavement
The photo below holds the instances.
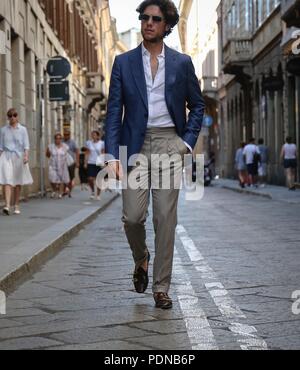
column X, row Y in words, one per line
column 236, row 266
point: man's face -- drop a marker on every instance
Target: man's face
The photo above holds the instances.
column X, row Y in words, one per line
column 153, row 31
column 67, row 136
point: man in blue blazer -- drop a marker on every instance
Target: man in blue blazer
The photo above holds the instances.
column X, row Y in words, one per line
column 151, row 87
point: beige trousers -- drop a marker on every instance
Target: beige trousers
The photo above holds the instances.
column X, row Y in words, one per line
column 162, row 178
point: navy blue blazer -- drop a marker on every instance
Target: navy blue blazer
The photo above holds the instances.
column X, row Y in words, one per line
column 127, row 111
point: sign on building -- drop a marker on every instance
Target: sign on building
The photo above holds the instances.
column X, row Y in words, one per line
column 59, row 68
column 59, row 90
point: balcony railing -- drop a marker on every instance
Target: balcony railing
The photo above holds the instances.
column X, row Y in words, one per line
column 238, row 51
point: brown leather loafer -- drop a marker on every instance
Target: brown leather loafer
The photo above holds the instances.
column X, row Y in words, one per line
column 163, row 301
column 141, row 279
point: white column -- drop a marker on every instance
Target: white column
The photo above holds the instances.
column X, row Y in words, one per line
column 5, row 71
column 18, row 80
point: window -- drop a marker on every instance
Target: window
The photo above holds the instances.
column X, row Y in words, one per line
column 233, row 12
column 268, row 7
column 258, row 12
column 248, row 15
column 271, row 5
column 229, row 23
column 233, row 18
column 238, row 12
column 276, row 3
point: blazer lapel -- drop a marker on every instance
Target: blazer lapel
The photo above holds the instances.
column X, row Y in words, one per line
column 137, row 69
column 171, row 59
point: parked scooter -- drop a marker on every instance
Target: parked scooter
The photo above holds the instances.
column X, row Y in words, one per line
column 207, row 173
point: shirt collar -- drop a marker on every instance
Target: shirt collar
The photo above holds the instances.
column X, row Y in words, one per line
column 147, row 53
column 17, row 126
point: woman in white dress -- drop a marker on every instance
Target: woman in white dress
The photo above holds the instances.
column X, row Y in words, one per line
column 289, row 157
column 58, row 166
column 14, row 157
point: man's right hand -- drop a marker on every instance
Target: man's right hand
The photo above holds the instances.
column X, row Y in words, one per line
column 115, row 170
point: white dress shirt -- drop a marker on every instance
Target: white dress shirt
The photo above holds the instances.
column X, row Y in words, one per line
column 159, row 115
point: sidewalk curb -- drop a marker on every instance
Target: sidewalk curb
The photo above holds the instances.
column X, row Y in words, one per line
column 32, row 264
column 247, row 192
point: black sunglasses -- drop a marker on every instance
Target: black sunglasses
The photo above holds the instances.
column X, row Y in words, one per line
column 146, row 17
column 15, row 115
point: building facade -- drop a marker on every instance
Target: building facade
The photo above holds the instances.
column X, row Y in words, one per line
column 35, row 31
column 198, row 35
column 257, row 94
column 131, row 38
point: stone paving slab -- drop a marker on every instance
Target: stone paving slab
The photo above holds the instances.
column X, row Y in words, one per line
column 45, row 225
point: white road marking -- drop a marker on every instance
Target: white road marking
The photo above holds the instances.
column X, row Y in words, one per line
column 222, row 299
column 206, row 271
column 247, row 336
column 197, row 325
column 189, row 245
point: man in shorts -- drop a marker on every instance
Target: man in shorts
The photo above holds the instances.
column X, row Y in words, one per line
column 252, row 158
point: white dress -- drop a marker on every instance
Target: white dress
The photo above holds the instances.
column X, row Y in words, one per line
column 58, row 164
column 13, row 171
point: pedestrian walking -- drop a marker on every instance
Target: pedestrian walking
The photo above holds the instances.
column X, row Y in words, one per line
column 83, row 169
column 95, row 148
column 73, row 161
column 252, row 159
column 14, row 161
column 289, row 157
column 263, row 164
column 149, row 89
column 240, row 165
column 58, row 166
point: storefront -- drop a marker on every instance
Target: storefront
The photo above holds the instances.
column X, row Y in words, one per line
column 293, row 69
column 290, row 46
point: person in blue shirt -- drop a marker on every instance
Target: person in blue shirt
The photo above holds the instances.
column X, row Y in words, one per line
column 240, row 165
column 263, row 165
column 14, row 157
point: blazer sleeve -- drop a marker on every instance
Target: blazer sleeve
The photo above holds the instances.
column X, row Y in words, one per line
column 113, row 124
column 196, row 106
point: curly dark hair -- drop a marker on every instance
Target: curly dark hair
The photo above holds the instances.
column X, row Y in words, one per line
column 167, row 7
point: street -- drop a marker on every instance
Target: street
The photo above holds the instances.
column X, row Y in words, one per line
column 236, row 266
